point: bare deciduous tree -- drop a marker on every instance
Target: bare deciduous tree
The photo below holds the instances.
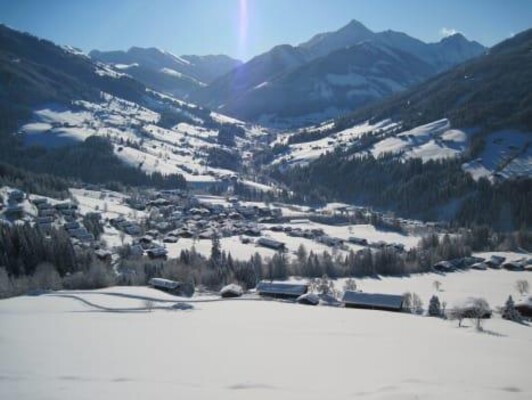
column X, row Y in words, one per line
column 437, row 285
column 476, row 309
column 522, row 286
column 350, row 284
column 412, row 303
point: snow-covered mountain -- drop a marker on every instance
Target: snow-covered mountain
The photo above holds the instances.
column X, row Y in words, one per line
column 330, row 86
column 442, row 118
column 330, row 74
column 57, row 97
column 166, row 72
column 427, row 149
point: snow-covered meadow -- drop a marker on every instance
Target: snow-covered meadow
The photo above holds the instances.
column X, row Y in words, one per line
column 136, row 137
column 60, row 347
column 507, row 154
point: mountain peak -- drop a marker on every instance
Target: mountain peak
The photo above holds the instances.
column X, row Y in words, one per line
column 355, row 25
column 350, row 34
column 455, row 37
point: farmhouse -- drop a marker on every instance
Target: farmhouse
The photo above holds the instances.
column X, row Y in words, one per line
column 271, row 243
column 281, row 290
column 157, row 252
column 513, row 266
column 331, row 241
column 310, row 299
column 359, row 241
column 525, row 307
column 444, row 266
column 166, row 285
column 373, row 301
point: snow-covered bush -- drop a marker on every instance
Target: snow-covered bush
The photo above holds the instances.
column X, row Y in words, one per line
column 350, row 285
column 412, row 303
column 522, row 286
column 323, row 285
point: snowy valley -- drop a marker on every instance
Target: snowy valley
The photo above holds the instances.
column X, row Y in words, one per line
column 349, row 217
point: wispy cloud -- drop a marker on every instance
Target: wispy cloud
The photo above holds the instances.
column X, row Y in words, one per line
column 448, row 31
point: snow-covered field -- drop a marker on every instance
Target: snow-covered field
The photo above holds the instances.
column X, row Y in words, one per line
column 63, row 348
column 507, row 153
column 308, row 151
column 435, row 140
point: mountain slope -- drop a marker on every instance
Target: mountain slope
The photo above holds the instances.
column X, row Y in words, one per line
column 58, row 107
column 422, row 152
column 333, row 85
column 35, row 71
column 491, row 91
column 166, row 72
column 256, row 72
column 263, row 89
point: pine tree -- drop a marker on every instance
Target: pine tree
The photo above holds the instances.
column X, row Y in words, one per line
column 510, row 312
column 435, row 307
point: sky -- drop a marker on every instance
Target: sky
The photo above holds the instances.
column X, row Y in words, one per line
column 245, row 28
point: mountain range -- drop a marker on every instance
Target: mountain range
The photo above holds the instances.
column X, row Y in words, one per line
column 436, row 150
column 175, row 75
column 458, row 137
column 330, row 75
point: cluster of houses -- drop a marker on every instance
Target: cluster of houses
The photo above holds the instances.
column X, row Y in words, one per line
column 65, row 214
column 351, row 299
column 482, row 264
column 299, row 292
column 318, row 235
column 173, row 214
column 44, row 215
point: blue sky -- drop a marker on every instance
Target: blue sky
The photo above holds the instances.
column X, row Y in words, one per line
column 244, row 28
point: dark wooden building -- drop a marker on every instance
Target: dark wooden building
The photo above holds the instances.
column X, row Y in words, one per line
column 281, row 290
column 271, row 243
column 525, row 307
column 373, row 301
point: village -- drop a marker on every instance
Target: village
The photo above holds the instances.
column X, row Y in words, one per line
column 160, row 225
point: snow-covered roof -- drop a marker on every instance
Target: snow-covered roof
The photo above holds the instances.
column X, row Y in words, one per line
column 376, row 300
column 232, row 289
column 164, row 283
column 282, row 288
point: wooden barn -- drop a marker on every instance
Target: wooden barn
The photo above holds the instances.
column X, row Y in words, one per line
column 281, row 290
column 271, row 243
column 373, row 301
column 166, row 285
column 525, row 307
column 513, row 266
column 157, row 252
